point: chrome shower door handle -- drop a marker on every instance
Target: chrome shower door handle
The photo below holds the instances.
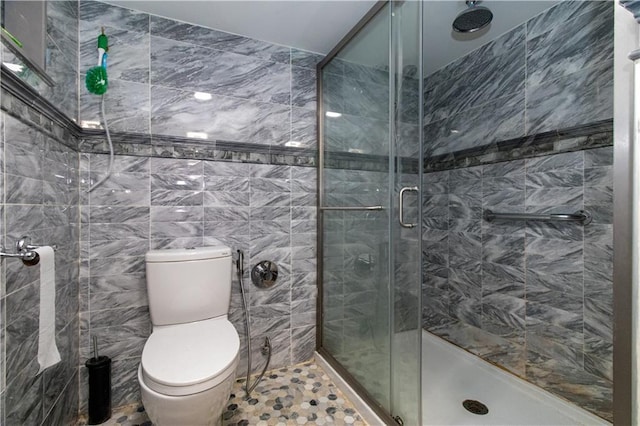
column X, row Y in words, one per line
column 401, row 206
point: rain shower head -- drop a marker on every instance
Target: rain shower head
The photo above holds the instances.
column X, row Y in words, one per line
column 472, row 19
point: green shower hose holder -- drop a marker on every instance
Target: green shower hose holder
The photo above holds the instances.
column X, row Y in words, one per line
column 96, row 79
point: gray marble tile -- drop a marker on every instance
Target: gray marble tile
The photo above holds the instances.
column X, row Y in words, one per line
column 160, row 230
column 126, row 106
column 218, row 40
column 303, row 341
column 232, row 74
column 97, row 14
column 119, row 231
column 455, row 96
column 599, row 157
column 302, row 58
column 474, row 128
column 503, row 249
column 560, row 14
column 587, row 41
column 121, row 163
column 168, row 197
column 563, row 163
column 23, row 397
column 176, row 112
column 226, row 199
column 582, row 97
column 62, row 24
column 303, row 87
column 115, row 214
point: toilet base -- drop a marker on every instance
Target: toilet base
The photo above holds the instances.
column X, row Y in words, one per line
column 200, row 409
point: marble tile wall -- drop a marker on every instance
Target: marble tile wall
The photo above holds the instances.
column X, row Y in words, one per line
column 249, row 91
column 535, row 297
column 40, row 199
column 267, row 211
column 552, row 72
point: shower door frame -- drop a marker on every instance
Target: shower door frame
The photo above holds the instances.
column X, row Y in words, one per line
column 362, row 392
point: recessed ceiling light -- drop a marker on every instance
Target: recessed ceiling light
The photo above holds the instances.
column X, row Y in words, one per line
column 333, row 114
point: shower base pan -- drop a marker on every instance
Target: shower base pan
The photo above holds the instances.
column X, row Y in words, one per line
column 452, row 376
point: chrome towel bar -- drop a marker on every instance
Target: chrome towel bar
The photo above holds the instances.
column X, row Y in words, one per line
column 353, row 208
column 581, row 216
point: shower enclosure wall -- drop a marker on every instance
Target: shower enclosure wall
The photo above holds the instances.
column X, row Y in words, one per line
column 521, row 122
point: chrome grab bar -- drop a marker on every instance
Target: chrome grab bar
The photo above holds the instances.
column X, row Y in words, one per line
column 581, row 216
column 401, row 206
column 347, row 208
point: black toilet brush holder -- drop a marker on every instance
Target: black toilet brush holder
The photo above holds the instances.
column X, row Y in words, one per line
column 99, row 386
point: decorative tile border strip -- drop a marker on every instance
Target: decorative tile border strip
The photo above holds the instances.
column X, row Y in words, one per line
column 25, row 104
column 578, row 138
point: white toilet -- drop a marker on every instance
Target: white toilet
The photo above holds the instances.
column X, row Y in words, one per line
column 188, row 363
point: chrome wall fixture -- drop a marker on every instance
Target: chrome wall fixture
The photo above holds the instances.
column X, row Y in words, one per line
column 581, row 216
column 264, row 274
column 24, row 251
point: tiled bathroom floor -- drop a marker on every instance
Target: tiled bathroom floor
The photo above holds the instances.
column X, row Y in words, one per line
column 296, row 395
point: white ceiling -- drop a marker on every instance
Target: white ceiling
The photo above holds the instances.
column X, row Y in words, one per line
column 318, row 25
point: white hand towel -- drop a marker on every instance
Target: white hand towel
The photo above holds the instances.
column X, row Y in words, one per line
column 48, row 354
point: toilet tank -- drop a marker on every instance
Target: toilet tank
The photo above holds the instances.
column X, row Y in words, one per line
column 186, row 285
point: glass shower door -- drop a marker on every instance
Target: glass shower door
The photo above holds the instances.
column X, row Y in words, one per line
column 370, row 268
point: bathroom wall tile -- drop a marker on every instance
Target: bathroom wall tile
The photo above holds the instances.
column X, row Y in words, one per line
column 453, row 97
column 176, row 112
column 97, row 14
column 23, row 397
column 554, row 54
column 304, row 343
column 302, row 58
column 63, row 16
column 126, row 105
column 473, row 125
column 598, row 157
column 218, row 40
column 303, row 87
column 549, row 19
column 582, row 97
column 124, row 381
column 234, row 75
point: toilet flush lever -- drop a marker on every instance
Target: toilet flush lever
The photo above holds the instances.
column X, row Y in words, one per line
column 264, row 274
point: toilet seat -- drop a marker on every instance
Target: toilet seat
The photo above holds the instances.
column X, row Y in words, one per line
column 189, row 358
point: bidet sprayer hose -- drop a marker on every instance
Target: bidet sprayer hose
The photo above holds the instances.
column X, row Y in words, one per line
column 266, row 347
column 106, row 129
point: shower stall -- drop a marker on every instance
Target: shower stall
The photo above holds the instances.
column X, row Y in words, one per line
column 466, row 210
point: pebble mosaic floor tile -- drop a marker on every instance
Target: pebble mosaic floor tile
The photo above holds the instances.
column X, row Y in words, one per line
column 297, row 395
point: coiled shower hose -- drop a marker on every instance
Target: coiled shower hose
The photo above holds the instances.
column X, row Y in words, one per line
column 266, row 347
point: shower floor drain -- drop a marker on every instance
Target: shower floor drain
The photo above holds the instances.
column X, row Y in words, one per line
column 475, row 407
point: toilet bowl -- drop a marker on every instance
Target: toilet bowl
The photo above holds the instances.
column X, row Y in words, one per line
column 187, row 371
column 188, row 364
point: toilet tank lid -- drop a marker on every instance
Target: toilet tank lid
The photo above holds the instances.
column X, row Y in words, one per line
column 179, row 255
